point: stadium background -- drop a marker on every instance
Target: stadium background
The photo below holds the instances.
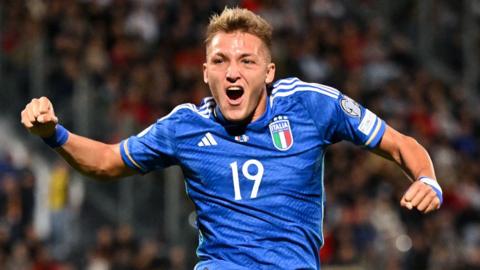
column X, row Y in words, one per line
column 111, row 67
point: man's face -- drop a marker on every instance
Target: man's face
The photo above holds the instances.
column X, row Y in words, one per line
column 237, row 70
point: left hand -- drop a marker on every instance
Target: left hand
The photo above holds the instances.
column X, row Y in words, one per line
column 420, row 196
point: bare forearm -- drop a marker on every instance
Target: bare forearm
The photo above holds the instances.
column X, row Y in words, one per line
column 89, row 157
column 93, row 158
column 424, row 195
column 415, row 160
column 407, row 153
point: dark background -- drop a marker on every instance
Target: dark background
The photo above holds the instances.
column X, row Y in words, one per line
column 112, row 67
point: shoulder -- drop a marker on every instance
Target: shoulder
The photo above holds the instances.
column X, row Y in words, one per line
column 184, row 114
column 294, row 87
column 309, row 94
column 189, row 110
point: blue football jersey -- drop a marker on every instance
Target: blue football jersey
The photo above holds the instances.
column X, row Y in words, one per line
column 258, row 189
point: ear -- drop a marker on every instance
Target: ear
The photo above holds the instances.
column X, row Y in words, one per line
column 205, row 74
column 270, row 73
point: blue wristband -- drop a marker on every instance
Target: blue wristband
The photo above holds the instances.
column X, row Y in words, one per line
column 59, row 138
column 434, row 184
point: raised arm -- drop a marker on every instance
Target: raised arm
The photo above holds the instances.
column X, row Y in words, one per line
column 424, row 193
column 92, row 158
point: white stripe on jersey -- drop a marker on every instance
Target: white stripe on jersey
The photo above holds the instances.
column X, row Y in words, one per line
column 125, row 148
column 141, row 134
column 287, row 85
column 301, row 89
column 374, row 134
column 207, row 102
column 205, row 113
column 333, row 90
column 305, row 88
column 179, row 107
column 285, row 81
column 206, row 109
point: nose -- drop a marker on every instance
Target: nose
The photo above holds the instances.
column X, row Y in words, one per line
column 233, row 73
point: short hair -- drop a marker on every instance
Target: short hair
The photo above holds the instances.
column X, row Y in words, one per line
column 240, row 19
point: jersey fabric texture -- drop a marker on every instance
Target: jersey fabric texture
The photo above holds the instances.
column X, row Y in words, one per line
column 258, row 189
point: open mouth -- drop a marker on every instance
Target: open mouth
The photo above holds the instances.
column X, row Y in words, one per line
column 235, row 92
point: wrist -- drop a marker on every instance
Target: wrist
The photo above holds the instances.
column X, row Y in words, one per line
column 433, row 184
column 58, row 138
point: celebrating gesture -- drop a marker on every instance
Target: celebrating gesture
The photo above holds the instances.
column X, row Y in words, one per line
column 252, row 154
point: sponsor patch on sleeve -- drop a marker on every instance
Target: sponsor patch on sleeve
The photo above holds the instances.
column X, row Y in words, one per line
column 367, row 122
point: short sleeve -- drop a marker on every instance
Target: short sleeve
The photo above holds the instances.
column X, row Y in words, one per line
column 339, row 117
column 357, row 124
column 153, row 148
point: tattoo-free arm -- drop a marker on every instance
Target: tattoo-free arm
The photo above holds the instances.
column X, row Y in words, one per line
column 415, row 161
column 89, row 157
column 93, row 158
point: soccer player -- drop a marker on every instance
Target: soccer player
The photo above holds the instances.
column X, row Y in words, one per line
column 252, row 154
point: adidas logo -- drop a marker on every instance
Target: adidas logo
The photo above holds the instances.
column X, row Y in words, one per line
column 207, row 140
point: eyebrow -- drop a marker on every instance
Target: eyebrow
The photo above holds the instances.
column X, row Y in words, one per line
column 241, row 56
column 220, row 54
column 246, row 55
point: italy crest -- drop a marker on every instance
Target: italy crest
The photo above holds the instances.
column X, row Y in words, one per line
column 281, row 132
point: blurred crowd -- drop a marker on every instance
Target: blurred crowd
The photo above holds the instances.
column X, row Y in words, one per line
column 141, row 58
column 16, row 214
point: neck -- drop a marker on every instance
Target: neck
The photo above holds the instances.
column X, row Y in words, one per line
column 261, row 107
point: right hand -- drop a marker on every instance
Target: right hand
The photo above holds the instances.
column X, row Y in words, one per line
column 39, row 118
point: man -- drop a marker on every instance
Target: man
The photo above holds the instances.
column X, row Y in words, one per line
column 252, row 155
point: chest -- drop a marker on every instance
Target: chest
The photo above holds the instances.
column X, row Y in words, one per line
column 282, row 155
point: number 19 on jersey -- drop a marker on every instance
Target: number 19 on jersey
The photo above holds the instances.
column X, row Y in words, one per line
column 257, row 177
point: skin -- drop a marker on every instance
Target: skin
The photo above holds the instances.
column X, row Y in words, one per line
column 92, row 158
column 414, row 160
column 239, row 59
column 233, row 59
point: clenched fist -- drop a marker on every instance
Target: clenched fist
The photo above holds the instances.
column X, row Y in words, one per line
column 422, row 197
column 39, row 118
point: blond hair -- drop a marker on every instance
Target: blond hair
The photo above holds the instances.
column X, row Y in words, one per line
column 240, row 19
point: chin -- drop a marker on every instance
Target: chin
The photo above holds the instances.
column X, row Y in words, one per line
column 236, row 117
